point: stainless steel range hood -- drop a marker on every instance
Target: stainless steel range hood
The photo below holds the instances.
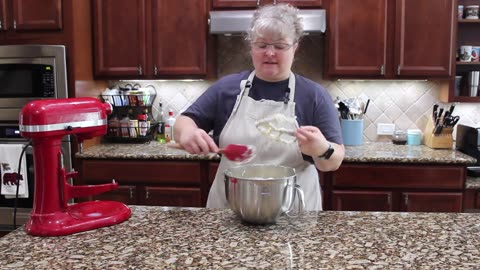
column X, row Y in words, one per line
column 238, row 21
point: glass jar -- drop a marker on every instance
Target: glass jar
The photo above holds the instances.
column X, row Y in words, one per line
column 399, row 137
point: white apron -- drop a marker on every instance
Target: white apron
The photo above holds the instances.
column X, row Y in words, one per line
column 240, row 129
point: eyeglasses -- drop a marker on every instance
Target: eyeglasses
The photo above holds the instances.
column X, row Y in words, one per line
column 262, row 46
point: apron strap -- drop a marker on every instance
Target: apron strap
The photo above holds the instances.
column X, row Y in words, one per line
column 245, row 86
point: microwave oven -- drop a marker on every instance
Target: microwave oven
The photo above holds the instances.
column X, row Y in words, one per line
column 30, row 72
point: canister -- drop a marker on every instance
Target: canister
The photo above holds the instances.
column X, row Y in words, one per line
column 414, row 137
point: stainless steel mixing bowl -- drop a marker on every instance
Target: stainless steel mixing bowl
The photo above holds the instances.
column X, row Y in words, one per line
column 260, row 193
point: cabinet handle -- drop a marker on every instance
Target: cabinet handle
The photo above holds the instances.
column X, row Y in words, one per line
column 398, row 70
column 1, row 26
column 140, row 70
column 274, row 2
column 131, row 193
column 147, row 194
column 155, row 71
column 406, row 199
column 15, row 24
column 382, row 70
column 389, row 199
column 258, row 2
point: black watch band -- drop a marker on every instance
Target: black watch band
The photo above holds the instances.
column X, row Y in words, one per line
column 327, row 153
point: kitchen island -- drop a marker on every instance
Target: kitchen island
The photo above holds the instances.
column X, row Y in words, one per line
column 199, row 238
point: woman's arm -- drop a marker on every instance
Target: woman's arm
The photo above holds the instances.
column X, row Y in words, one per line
column 193, row 139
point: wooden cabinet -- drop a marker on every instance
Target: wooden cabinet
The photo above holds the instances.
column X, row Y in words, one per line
column 467, row 34
column 393, row 187
column 390, row 38
column 20, row 15
column 164, row 183
column 471, row 200
column 156, row 39
column 255, row 3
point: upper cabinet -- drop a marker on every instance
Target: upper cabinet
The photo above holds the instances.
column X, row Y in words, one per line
column 388, row 39
column 255, row 3
column 158, row 39
column 23, row 15
column 468, row 29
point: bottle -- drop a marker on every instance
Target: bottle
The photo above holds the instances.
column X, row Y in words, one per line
column 169, row 122
column 114, row 126
column 161, row 124
column 124, row 126
column 142, row 125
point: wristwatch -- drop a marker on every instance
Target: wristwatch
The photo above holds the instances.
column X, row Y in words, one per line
column 327, row 153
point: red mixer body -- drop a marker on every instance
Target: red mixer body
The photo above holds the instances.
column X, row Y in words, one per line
column 46, row 122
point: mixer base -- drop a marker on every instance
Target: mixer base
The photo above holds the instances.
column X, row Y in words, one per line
column 78, row 218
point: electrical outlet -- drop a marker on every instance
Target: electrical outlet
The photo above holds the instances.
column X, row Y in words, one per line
column 385, row 129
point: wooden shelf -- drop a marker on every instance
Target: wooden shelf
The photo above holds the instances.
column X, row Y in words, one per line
column 466, row 99
column 469, row 21
column 468, row 63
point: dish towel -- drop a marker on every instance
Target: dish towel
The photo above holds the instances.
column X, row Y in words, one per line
column 9, row 157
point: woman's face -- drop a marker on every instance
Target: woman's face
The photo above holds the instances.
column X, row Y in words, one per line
column 272, row 58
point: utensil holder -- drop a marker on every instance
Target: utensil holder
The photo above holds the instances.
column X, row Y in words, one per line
column 444, row 140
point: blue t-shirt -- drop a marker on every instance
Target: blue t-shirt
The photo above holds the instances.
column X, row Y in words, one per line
column 313, row 105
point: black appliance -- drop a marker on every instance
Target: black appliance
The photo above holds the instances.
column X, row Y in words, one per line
column 468, row 142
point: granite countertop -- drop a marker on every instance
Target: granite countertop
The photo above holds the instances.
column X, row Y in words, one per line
column 368, row 152
column 198, row 238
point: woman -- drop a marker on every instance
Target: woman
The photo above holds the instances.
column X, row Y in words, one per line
column 234, row 107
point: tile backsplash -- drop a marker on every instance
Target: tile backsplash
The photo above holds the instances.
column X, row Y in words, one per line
column 407, row 104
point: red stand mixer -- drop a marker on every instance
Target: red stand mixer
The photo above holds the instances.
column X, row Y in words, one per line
column 46, row 122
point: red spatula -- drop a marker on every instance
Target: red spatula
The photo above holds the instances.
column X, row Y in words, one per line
column 233, row 152
column 238, row 152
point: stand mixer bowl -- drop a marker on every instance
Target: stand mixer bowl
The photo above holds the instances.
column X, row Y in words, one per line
column 260, row 194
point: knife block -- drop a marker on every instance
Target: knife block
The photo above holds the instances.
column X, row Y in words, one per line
column 444, row 140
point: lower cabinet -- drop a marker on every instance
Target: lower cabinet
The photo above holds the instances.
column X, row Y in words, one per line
column 471, row 200
column 393, row 187
column 162, row 183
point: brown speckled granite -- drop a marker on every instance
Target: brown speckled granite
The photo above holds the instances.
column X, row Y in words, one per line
column 162, row 238
column 368, row 152
column 151, row 150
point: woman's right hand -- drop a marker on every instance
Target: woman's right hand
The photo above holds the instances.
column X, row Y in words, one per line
column 193, row 139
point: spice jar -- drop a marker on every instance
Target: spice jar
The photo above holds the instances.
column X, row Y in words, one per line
column 399, row 137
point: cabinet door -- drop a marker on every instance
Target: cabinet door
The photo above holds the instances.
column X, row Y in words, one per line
column 424, row 32
column 431, row 202
column 357, row 39
column 179, row 37
column 236, row 3
column 3, row 15
column 37, row 15
column 302, row 3
column 173, row 196
column 255, row 3
column 119, row 38
column 346, row 200
column 125, row 194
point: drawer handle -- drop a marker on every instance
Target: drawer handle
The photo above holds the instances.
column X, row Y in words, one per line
column 406, row 199
column 147, row 194
column 131, row 193
column 389, row 199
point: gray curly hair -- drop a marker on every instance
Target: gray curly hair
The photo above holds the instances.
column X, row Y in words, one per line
column 281, row 20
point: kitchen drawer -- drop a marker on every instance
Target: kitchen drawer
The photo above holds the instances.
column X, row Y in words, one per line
column 134, row 171
column 398, row 176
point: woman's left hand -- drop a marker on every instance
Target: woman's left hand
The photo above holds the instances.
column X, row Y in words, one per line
column 311, row 140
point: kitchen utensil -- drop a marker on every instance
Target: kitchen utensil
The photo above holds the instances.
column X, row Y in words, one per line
column 233, row 152
column 46, row 122
column 261, row 193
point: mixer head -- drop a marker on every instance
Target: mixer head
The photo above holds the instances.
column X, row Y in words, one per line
column 85, row 117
